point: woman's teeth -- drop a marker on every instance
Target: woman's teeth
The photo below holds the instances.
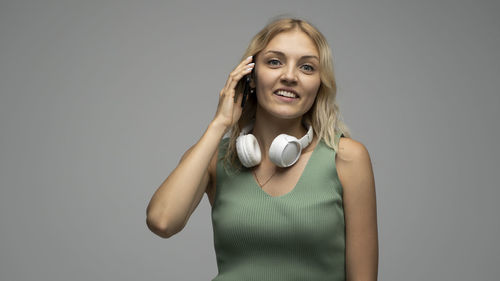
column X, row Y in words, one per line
column 286, row 94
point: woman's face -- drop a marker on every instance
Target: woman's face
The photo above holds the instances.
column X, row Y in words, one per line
column 289, row 62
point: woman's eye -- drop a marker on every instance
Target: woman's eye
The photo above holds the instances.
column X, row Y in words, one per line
column 273, row 62
column 308, row 67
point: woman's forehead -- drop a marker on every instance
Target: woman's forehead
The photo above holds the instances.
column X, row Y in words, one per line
column 292, row 43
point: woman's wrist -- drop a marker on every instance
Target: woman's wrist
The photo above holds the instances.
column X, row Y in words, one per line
column 218, row 127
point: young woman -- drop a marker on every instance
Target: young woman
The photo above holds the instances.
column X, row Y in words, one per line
column 291, row 198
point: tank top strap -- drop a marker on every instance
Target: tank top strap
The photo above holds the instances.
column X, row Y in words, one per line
column 338, row 135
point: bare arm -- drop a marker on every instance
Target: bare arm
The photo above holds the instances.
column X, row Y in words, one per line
column 360, row 210
column 174, row 201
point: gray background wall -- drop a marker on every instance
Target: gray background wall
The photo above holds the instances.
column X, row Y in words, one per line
column 99, row 99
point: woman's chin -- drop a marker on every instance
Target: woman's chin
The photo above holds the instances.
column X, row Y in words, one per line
column 285, row 114
column 280, row 112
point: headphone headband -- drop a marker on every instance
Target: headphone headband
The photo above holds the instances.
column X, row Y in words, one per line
column 304, row 141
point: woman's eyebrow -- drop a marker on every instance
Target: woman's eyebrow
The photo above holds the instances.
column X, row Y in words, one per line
column 303, row 57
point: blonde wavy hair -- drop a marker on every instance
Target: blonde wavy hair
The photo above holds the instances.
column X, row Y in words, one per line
column 324, row 115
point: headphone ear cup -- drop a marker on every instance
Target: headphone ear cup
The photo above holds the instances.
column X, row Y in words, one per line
column 248, row 150
column 285, row 150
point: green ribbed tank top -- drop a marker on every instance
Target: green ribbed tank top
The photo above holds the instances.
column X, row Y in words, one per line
column 298, row 236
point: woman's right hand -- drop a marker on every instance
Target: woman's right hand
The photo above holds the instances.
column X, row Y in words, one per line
column 228, row 110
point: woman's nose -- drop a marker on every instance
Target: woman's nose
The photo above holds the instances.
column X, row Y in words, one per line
column 289, row 74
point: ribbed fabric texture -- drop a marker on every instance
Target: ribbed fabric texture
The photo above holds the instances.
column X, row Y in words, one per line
column 299, row 236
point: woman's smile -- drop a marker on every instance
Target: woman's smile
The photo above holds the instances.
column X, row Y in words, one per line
column 286, row 95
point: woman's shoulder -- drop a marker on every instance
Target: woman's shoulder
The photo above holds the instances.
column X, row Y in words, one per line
column 354, row 167
column 351, row 150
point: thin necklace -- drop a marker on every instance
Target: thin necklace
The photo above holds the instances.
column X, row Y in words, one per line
column 262, row 185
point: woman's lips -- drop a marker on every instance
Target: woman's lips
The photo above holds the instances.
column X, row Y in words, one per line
column 287, row 92
column 285, row 99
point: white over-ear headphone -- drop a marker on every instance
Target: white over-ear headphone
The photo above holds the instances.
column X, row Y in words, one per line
column 284, row 151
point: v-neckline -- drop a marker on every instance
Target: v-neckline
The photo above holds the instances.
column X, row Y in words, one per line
column 299, row 181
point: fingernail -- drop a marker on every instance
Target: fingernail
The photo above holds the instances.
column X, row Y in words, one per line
column 249, row 57
column 251, row 64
